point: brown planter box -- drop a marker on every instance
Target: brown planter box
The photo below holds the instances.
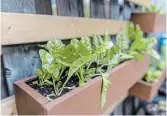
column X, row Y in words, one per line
column 147, row 91
column 82, row 100
column 150, row 22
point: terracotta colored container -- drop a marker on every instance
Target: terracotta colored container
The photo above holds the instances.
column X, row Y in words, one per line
column 150, row 22
column 82, row 100
column 147, row 91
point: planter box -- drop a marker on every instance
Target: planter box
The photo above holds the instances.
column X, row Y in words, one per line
column 147, row 91
column 150, row 22
column 82, row 100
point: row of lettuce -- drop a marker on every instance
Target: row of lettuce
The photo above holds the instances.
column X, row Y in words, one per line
column 87, row 58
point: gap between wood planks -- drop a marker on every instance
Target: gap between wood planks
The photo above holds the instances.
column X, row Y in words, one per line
column 8, row 106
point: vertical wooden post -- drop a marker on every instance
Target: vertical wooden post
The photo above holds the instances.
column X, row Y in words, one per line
column 21, row 61
column 70, row 8
column 97, row 9
column 127, row 10
column 114, row 9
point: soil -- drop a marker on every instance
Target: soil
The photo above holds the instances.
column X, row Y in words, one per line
column 48, row 91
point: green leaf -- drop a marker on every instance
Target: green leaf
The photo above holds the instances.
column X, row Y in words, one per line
column 76, row 65
column 89, row 73
column 139, row 56
column 124, row 56
column 84, row 47
column 48, row 82
column 45, row 57
column 106, row 37
column 138, row 45
column 95, row 42
column 52, row 67
column 150, row 42
column 74, row 42
column 68, row 54
column 103, row 47
column 35, row 82
column 122, row 41
column 131, row 30
column 39, row 73
column 154, row 54
column 136, row 54
column 100, row 39
column 54, row 45
column 115, row 60
column 149, row 76
column 105, row 85
column 138, row 33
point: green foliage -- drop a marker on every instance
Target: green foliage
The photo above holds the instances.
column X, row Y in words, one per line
column 154, row 72
column 155, row 9
column 105, row 85
column 61, row 62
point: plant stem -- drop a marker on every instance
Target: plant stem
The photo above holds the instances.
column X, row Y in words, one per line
column 89, row 65
column 54, row 85
column 62, row 70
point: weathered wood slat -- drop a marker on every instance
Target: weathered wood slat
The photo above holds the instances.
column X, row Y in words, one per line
column 24, row 28
column 19, row 6
column 70, row 8
column 21, row 61
column 4, row 90
column 127, row 11
column 43, row 7
column 8, row 106
column 97, row 9
column 114, row 9
column 141, row 2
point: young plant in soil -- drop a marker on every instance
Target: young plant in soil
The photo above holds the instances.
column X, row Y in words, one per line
column 155, row 70
column 65, row 67
column 153, row 8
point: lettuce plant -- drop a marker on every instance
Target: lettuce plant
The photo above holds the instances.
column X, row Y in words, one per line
column 154, row 72
column 62, row 62
column 153, row 8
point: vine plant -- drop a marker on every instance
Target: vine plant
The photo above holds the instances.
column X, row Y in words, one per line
column 60, row 61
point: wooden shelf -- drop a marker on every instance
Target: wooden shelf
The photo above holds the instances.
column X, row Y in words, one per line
column 28, row 28
column 141, row 2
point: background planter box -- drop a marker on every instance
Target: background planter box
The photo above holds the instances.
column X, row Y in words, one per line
column 147, row 91
column 150, row 22
column 82, row 100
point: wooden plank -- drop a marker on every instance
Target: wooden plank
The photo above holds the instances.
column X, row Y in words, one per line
column 19, row 6
column 8, row 106
column 127, row 10
column 114, row 9
column 43, row 7
column 141, row 2
column 21, row 61
column 97, row 9
column 4, row 90
column 27, row 28
column 120, row 100
column 70, row 8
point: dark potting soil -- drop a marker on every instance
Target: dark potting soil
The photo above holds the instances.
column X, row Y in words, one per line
column 48, row 91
